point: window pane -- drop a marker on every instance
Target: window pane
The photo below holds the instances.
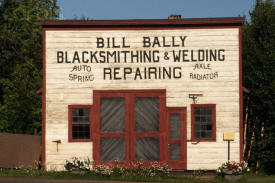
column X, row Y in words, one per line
column 86, row 112
column 175, row 126
column 112, row 149
column 80, row 115
column 75, row 135
column 146, row 114
column 75, row 112
column 208, row 134
column 203, row 122
column 203, row 127
column 112, row 115
column 197, row 111
column 197, row 127
column 80, row 111
column 175, row 153
column 75, row 119
column 80, row 123
column 81, row 131
column 147, row 149
column 198, row 134
column 197, row 118
column 209, row 118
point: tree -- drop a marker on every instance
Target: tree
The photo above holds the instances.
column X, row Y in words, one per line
column 21, row 62
column 259, row 78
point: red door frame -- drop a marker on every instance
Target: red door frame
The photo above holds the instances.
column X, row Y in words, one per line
column 130, row 133
column 182, row 164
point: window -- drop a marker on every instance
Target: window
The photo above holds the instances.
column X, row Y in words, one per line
column 203, row 119
column 79, row 123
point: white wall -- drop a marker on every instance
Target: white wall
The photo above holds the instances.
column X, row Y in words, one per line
column 222, row 91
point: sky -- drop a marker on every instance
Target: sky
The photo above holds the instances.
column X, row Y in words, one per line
column 153, row 9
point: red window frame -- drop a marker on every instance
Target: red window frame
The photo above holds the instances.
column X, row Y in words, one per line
column 213, row 108
column 70, row 136
column 129, row 133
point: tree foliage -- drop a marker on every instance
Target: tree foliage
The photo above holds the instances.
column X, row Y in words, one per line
column 21, row 62
column 259, row 78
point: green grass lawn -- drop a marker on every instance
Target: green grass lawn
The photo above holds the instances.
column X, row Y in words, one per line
column 68, row 175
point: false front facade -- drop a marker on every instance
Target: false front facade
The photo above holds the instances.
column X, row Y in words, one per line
column 142, row 90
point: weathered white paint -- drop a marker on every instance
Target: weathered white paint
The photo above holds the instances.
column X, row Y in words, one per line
column 222, row 91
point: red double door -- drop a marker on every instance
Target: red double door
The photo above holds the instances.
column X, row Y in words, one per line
column 133, row 126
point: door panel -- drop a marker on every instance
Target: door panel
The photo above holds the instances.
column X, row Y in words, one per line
column 175, row 126
column 176, row 119
column 147, row 149
column 112, row 149
column 175, row 152
column 146, row 114
column 112, row 111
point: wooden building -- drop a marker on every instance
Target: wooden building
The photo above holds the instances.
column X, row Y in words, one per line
column 142, row 90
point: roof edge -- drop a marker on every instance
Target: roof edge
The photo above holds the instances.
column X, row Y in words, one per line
column 144, row 22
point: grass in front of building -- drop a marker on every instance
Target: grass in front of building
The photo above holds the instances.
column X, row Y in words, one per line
column 249, row 178
column 261, row 178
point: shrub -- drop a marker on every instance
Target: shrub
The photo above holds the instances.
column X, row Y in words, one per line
column 137, row 169
column 103, row 170
column 78, row 164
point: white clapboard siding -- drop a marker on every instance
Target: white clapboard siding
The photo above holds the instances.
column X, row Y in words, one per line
column 222, row 91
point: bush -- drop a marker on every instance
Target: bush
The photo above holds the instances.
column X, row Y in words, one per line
column 134, row 170
column 80, row 164
column 103, row 170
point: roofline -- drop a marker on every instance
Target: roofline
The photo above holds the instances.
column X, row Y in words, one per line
column 144, row 22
